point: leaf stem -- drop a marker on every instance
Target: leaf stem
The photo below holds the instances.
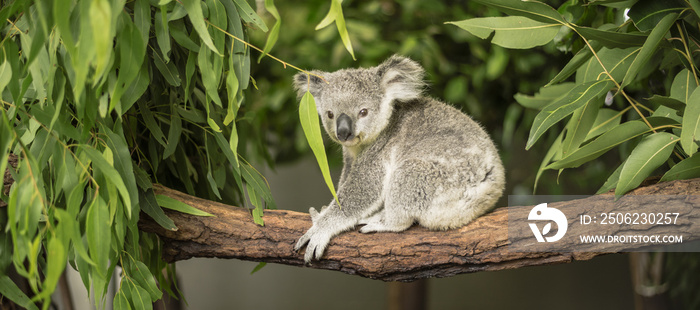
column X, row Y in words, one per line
column 284, row 63
column 624, row 94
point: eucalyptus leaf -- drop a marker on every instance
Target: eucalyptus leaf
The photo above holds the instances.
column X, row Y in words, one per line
column 649, row 47
column 648, row 155
column 535, row 10
column 194, row 12
column 149, row 205
column 511, row 31
column 312, row 130
column 274, row 32
column 174, row 204
column 614, row 137
column 690, row 133
column 686, row 169
column 564, row 106
column 9, row 289
column 544, row 97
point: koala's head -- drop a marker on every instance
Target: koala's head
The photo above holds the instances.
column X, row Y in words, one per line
column 355, row 105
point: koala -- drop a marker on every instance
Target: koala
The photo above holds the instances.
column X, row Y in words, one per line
column 407, row 158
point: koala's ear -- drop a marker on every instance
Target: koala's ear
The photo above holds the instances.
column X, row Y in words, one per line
column 304, row 82
column 401, row 78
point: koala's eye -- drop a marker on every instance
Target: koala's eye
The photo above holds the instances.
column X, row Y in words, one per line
column 330, row 114
column 363, row 112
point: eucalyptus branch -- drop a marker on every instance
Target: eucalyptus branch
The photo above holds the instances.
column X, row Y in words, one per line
column 622, row 91
column 284, row 63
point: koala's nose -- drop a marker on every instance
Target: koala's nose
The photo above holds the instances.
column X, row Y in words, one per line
column 343, row 128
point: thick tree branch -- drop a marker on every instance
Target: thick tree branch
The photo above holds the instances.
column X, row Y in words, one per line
column 416, row 253
column 406, row 256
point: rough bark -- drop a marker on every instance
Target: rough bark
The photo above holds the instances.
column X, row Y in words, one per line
column 414, row 254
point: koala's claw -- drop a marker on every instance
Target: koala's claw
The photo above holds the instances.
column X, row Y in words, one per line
column 316, row 243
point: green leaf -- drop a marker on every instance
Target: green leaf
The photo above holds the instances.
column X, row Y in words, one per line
column 308, row 116
column 649, row 154
column 553, row 153
column 163, row 33
column 545, row 96
column 142, row 19
column 110, row 174
column 576, row 62
column 616, row 62
column 607, row 119
column 136, row 89
column 649, row 47
column 151, row 124
column 274, row 33
column 10, row 290
column 248, row 14
column 336, row 14
column 684, row 84
column 511, row 31
column 646, row 15
column 672, row 103
column 174, row 204
column 62, row 10
column 565, row 105
column 174, row 133
column 98, row 235
column 230, row 153
column 139, row 296
column 690, row 132
column 258, row 267
column 5, row 74
column 179, row 34
column 145, row 279
column 612, row 180
column 579, row 125
column 149, row 205
column 120, row 301
column 531, row 9
column 169, row 70
column 194, row 12
column 55, row 264
column 217, row 17
column 102, row 34
column 255, row 179
column 621, row 133
column 122, row 163
column 695, row 5
column 258, row 204
column 210, row 67
column 686, row 169
column 611, row 39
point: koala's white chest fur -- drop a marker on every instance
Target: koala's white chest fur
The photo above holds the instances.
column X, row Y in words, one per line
column 408, row 158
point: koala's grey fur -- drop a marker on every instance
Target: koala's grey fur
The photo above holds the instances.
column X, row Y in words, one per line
column 407, row 158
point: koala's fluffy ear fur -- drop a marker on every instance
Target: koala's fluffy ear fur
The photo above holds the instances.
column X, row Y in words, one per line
column 401, row 78
column 304, row 82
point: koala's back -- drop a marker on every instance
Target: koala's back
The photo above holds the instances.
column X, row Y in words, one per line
column 441, row 161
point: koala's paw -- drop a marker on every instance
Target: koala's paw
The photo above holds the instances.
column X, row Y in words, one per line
column 373, row 227
column 315, row 214
column 316, row 242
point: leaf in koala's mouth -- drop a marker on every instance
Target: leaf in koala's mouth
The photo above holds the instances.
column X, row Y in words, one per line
column 312, row 130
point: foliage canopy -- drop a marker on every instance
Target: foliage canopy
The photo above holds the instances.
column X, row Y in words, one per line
column 634, row 82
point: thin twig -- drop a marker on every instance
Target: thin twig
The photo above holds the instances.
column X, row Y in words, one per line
column 284, row 63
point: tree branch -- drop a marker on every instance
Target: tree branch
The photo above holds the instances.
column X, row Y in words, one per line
column 416, row 253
